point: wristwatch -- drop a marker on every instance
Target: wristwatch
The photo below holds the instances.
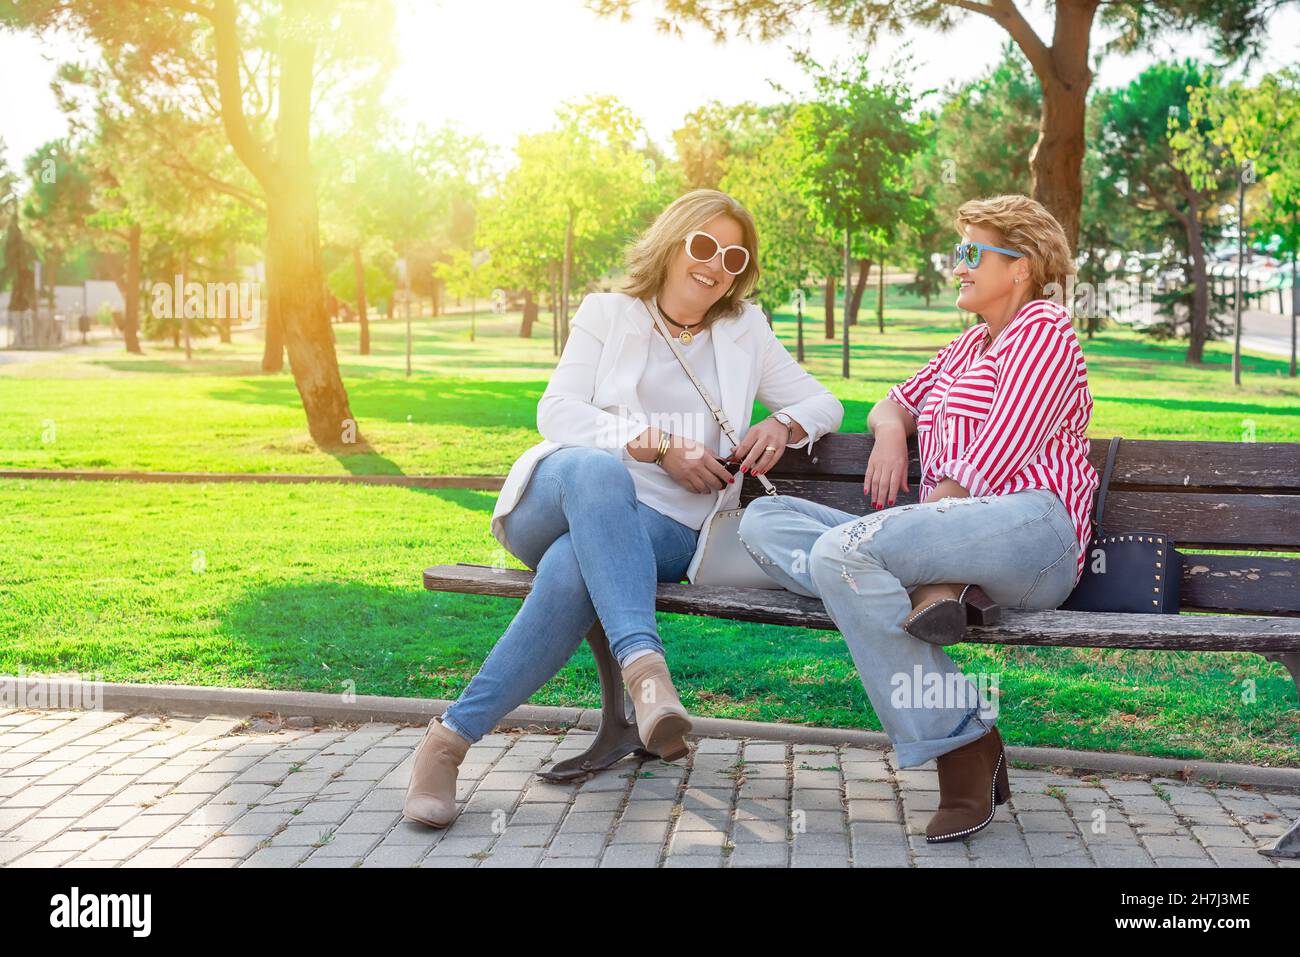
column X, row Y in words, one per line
column 784, row 419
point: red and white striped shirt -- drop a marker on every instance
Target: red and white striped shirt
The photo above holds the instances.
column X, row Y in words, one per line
column 1011, row 418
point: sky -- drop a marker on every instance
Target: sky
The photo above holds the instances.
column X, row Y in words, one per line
column 501, row 67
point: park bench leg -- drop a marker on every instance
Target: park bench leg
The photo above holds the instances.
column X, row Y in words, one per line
column 1288, row 845
column 1291, row 661
column 617, row 736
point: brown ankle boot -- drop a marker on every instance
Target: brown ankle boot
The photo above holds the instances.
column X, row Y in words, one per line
column 661, row 720
column 941, row 612
column 972, row 783
column 431, row 794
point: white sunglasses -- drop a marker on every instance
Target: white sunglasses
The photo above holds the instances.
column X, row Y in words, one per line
column 702, row 247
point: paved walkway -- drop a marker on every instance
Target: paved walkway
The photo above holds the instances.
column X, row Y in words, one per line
column 106, row 789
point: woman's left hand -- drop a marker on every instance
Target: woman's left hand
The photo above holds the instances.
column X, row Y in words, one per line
column 752, row 451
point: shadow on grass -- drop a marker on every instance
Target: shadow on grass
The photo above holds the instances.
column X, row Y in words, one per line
column 348, row 637
column 427, row 401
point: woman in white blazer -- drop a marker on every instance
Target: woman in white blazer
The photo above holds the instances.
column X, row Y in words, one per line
column 632, row 467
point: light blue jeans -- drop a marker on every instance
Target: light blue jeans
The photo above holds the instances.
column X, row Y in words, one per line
column 1020, row 548
column 597, row 552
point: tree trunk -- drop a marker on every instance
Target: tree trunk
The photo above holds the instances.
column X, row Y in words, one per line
column 864, row 273
column 565, row 280
column 880, row 296
column 830, row 306
column 555, row 311
column 530, row 315
column 844, row 326
column 1241, row 259
column 295, row 283
column 359, row 271
column 273, row 346
column 131, row 294
column 232, row 274
column 297, row 296
column 799, row 325
column 1199, row 325
column 1056, row 160
column 185, row 312
column 1295, row 286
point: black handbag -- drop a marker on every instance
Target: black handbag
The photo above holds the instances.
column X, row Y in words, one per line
column 1138, row 572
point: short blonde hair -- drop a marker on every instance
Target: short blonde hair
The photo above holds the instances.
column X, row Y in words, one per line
column 1026, row 226
column 650, row 256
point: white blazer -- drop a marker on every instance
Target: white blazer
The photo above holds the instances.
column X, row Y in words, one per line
column 592, row 401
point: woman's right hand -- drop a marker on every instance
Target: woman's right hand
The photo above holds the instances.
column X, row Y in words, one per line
column 887, row 467
column 694, row 466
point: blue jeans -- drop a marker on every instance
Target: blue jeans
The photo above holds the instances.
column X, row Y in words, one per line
column 1020, row 548
column 598, row 553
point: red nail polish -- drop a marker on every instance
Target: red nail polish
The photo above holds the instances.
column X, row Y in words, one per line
column 891, row 501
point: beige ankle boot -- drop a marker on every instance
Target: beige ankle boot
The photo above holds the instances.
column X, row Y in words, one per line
column 661, row 720
column 431, row 795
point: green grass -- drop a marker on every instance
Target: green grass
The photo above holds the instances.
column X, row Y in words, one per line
column 317, row 587
column 470, row 408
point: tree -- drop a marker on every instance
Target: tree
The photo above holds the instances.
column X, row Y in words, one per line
column 1240, row 134
column 1281, row 214
column 199, row 53
column 794, row 247
column 577, row 194
column 1138, row 162
column 1062, row 66
column 55, row 206
column 714, row 134
column 982, row 135
column 855, row 142
column 467, row 276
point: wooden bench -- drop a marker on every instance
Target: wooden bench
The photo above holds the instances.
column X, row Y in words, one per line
column 1203, row 495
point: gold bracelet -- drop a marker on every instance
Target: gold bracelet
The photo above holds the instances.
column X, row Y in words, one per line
column 663, row 447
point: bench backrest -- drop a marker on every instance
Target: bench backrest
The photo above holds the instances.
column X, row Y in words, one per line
column 1239, row 496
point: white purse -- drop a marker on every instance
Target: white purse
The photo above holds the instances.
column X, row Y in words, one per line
column 726, row 560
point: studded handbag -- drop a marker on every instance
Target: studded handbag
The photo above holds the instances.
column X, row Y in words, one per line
column 1136, row 572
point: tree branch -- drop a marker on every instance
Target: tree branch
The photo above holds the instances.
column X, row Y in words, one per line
column 252, row 153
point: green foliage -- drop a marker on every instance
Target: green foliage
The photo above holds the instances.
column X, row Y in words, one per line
column 982, row 136
column 765, row 178
column 595, row 166
column 856, row 139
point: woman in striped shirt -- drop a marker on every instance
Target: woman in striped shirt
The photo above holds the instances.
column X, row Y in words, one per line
column 1001, row 416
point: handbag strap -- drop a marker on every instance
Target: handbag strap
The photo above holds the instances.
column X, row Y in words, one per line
column 718, row 415
column 1100, row 507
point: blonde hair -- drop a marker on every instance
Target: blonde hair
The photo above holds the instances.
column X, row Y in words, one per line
column 650, row 256
column 1026, row 226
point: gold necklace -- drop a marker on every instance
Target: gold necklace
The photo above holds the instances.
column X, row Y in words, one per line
column 685, row 335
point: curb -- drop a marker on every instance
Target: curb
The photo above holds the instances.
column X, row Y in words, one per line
column 199, row 700
column 483, row 483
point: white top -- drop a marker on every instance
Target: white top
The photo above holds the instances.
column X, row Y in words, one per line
column 673, row 404
column 592, row 401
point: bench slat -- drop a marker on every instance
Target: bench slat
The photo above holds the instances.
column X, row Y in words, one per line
column 1047, row 628
column 1228, row 468
column 1191, row 520
column 1240, row 583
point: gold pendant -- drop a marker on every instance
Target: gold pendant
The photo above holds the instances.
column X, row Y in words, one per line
column 686, row 337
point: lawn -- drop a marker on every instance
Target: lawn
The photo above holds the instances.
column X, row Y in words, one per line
column 470, row 408
column 317, row 587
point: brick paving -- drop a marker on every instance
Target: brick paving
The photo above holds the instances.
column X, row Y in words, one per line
column 107, row 789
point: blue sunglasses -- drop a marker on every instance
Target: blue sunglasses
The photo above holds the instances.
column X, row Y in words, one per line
column 971, row 253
